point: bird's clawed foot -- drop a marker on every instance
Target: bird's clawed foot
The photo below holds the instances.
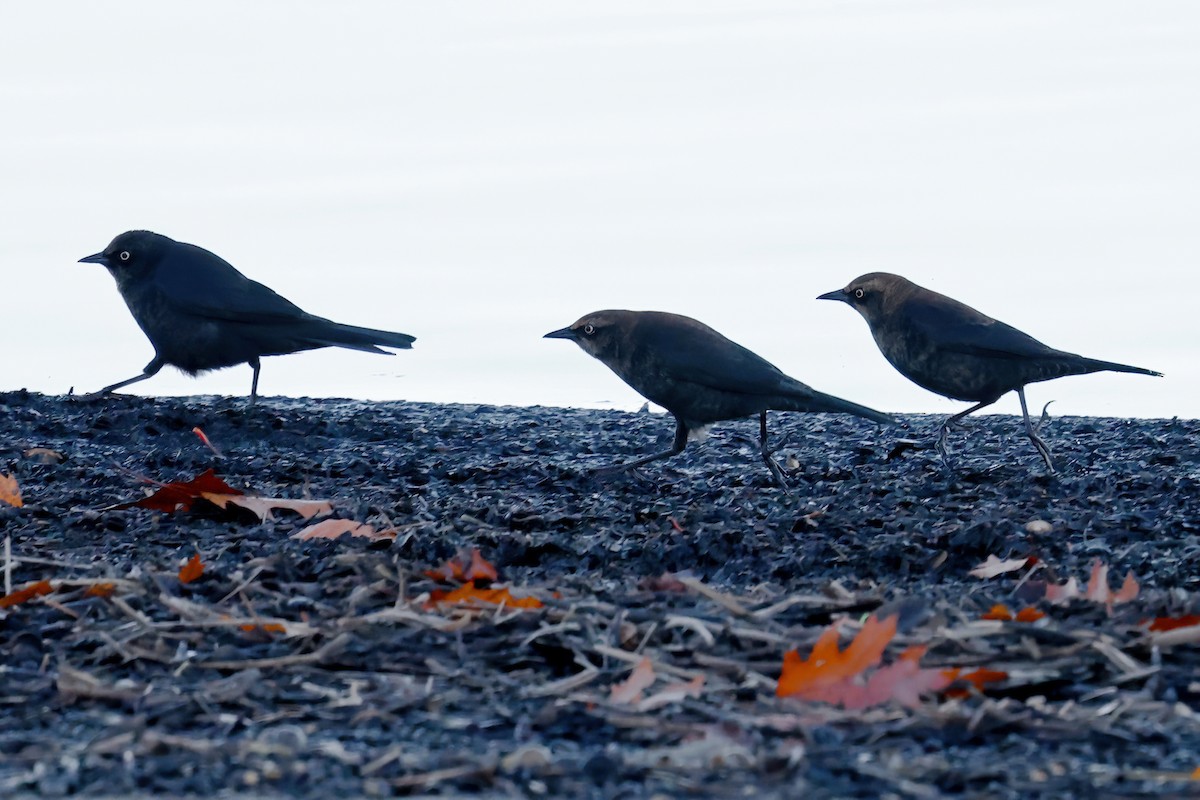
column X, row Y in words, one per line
column 942, row 447
column 1044, row 418
column 776, row 471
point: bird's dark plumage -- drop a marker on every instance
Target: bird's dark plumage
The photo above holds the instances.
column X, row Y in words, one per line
column 200, row 313
column 950, row 348
column 697, row 374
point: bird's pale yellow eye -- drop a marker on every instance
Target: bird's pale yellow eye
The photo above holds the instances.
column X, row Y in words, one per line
column 589, row 329
column 125, row 256
column 859, row 294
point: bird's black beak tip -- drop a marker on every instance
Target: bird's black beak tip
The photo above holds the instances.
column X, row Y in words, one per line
column 96, row 258
column 561, row 333
column 837, row 294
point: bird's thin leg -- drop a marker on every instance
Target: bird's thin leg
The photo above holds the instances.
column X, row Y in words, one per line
column 150, row 371
column 681, row 437
column 255, row 364
column 1042, row 448
column 766, row 453
column 944, row 432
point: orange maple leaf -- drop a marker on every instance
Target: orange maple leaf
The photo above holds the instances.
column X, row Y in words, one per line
column 1171, row 623
column 1001, row 612
column 28, row 593
column 470, row 594
column 826, row 665
column 998, row 612
column 192, row 570
column 10, row 492
column 977, row 678
column 465, row 566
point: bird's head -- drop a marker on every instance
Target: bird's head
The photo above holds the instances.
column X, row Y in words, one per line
column 130, row 253
column 872, row 294
column 599, row 334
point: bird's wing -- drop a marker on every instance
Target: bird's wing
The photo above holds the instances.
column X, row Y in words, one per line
column 202, row 284
column 962, row 329
column 705, row 357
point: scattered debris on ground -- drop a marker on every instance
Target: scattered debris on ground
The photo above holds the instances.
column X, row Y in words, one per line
column 409, row 599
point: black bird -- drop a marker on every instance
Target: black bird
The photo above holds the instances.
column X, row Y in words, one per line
column 950, row 348
column 200, row 313
column 697, row 374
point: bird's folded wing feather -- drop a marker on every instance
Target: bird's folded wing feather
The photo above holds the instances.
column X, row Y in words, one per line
column 964, row 330
column 212, row 289
column 718, row 363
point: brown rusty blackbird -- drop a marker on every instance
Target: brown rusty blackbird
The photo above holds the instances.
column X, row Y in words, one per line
column 952, row 349
column 200, row 313
column 696, row 374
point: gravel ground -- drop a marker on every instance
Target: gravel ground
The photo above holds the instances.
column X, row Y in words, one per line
column 320, row 668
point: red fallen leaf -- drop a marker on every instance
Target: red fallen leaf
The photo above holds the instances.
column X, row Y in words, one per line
column 28, row 593
column 268, row 627
column 465, row 566
column 1196, row 774
column 334, row 528
column 1028, row 614
column 192, row 570
column 10, row 492
column 998, row 612
column 469, row 594
column 1171, row 623
column 630, row 690
column 100, row 590
column 826, row 665
column 182, row 495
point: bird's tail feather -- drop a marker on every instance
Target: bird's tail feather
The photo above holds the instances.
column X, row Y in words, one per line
column 1096, row 365
column 819, row 401
column 355, row 338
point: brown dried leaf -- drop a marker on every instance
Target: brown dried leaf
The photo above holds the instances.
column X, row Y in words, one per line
column 10, row 492
column 263, row 507
column 44, row 455
column 994, row 566
column 673, row 693
column 28, row 593
column 630, row 690
column 192, row 570
column 333, row 528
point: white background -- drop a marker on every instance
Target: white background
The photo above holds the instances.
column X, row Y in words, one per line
column 479, row 173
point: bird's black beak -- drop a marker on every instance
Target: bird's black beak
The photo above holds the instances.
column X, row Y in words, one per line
column 561, row 333
column 838, row 294
column 98, row 258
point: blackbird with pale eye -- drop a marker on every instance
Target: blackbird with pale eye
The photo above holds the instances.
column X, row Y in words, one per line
column 200, row 313
column 950, row 348
column 696, row 374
